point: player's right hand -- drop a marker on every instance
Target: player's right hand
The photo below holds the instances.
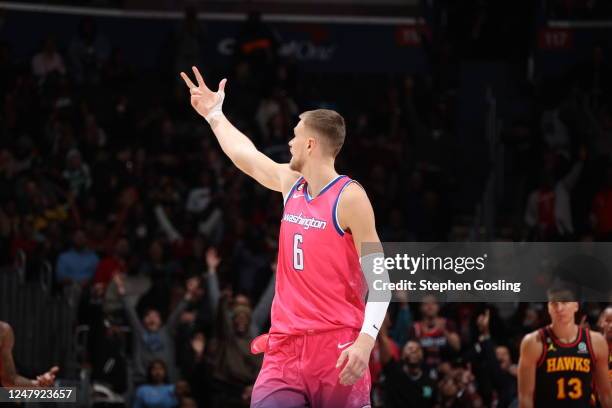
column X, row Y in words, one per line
column 47, row 379
column 206, row 102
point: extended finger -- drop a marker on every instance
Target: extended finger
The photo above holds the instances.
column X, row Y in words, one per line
column 341, row 359
column 222, row 85
column 349, row 368
column 199, row 78
column 190, row 84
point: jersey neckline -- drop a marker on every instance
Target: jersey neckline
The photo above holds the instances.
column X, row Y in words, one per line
column 323, row 190
column 559, row 343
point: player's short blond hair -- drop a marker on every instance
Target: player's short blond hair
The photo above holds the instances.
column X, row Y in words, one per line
column 329, row 125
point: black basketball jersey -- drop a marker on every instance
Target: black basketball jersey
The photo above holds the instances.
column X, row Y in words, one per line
column 565, row 371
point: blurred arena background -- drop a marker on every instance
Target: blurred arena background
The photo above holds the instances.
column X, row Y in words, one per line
column 472, row 120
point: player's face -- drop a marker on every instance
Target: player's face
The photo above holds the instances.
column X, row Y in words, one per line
column 562, row 312
column 605, row 323
column 298, row 146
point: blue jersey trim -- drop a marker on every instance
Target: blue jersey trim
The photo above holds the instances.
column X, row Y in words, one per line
column 335, row 208
column 297, row 183
column 327, row 187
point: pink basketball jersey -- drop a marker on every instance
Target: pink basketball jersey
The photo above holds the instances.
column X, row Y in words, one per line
column 319, row 282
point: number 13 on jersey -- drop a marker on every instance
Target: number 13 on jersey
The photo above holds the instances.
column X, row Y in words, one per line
column 298, row 253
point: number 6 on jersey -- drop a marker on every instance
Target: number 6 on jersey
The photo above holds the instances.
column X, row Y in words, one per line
column 298, row 253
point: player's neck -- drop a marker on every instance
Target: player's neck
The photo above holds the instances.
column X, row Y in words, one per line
column 565, row 332
column 318, row 176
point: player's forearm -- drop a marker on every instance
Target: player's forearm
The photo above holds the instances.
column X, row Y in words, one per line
column 18, row 381
column 525, row 401
column 606, row 401
column 234, row 143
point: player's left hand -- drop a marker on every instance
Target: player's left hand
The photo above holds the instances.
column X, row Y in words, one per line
column 47, row 379
column 356, row 358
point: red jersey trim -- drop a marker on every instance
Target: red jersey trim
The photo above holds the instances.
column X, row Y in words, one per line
column 297, row 182
column 587, row 333
column 335, row 208
column 542, row 333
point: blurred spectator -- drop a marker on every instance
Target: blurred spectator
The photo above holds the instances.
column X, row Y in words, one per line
column 406, row 379
column 235, row 367
column 89, row 50
column 436, row 334
column 549, row 209
column 196, row 367
column 77, row 173
column 113, row 263
column 156, row 392
column 492, row 366
column 151, row 338
column 48, row 60
column 188, row 403
column 76, row 265
column 602, row 208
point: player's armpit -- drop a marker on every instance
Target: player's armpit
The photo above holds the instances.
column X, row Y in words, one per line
column 600, row 372
column 531, row 350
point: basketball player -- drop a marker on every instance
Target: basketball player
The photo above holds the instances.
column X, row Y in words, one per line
column 8, row 373
column 605, row 324
column 322, row 333
column 560, row 362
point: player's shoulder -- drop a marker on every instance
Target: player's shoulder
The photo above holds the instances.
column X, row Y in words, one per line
column 5, row 328
column 354, row 200
column 353, row 192
column 532, row 342
column 598, row 341
column 534, row 336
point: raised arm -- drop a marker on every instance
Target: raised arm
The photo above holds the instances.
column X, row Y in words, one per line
column 239, row 148
column 192, row 285
column 531, row 349
column 127, row 306
column 600, row 374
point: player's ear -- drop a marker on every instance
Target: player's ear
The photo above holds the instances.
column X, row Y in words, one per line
column 310, row 143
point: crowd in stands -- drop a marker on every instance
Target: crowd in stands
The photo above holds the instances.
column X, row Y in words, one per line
column 168, row 251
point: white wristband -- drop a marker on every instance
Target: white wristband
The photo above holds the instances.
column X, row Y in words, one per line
column 375, row 310
column 217, row 109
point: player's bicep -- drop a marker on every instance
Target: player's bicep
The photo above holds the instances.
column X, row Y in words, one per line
column 355, row 214
column 8, row 372
column 527, row 366
column 600, row 375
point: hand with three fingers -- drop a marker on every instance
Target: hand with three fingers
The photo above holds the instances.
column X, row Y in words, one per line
column 206, row 102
